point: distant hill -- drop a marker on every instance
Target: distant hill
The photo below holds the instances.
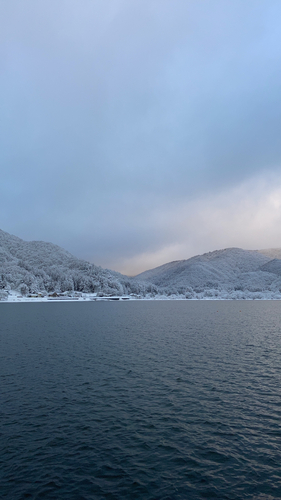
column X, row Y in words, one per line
column 223, row 266
column 36, row 266
column 226, row 271
column 232, row 273
column 272, row 253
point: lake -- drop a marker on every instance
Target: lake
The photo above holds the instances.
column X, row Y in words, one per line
column 140, row 400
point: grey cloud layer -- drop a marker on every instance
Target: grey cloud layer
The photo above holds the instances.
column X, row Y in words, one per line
column 115, row 111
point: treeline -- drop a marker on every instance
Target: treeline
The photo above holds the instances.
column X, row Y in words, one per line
column 39, row 267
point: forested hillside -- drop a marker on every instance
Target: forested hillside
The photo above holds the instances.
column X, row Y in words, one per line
column 228, row 273
column 36, row 266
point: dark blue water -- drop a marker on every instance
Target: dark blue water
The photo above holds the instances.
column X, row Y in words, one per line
column 140, row 400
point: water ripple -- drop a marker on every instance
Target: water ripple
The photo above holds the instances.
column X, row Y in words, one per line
column 143, row 400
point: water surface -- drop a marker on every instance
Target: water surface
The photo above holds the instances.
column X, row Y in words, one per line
column 143, row 400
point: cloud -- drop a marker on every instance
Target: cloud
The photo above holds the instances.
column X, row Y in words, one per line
column 114, row 112
column 247, row 216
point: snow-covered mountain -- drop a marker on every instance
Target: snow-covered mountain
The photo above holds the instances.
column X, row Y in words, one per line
column 272, row 253
column 231, row 273
column 36, row 266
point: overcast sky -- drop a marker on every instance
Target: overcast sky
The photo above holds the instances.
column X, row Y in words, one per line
column 136, row 132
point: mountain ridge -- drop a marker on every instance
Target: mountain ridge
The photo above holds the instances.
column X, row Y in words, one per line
column 229, row 270
column 38, row 266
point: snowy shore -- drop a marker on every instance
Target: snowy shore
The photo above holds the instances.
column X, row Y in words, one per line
column 13, row 296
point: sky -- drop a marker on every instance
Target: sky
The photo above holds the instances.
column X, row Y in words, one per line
column 138, row 132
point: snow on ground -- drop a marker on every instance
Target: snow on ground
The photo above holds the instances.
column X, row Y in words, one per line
column 14, row 297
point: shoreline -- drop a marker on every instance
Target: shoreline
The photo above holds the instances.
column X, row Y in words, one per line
column 15, row 298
